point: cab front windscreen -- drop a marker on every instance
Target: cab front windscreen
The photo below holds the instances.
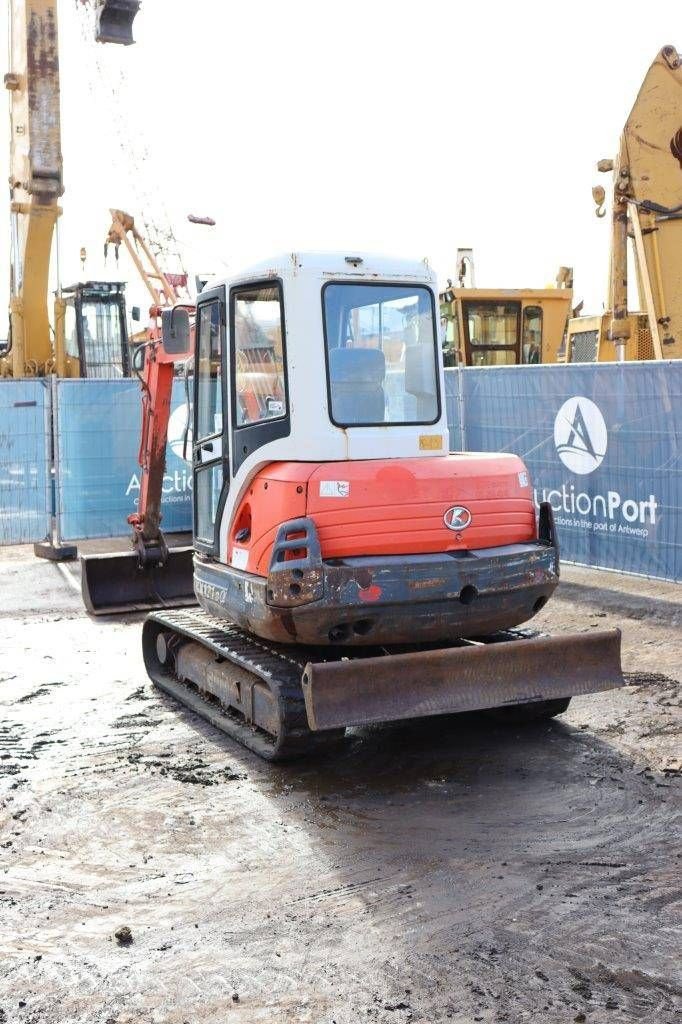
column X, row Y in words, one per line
column 382, row 365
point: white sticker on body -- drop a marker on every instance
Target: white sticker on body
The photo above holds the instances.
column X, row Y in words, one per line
column 240, row 558
column 334, row 488
column 523, row 479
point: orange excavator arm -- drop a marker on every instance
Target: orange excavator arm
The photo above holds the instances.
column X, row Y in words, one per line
column 161, row 354
column 151, row 575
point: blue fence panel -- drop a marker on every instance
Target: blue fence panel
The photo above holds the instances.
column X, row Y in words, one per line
column 604, row 446
column 453, row 408
column 25, row 480
column 97, row 442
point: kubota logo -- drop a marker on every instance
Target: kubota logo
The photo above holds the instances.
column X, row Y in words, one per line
column 457, row 518
column 580, row 435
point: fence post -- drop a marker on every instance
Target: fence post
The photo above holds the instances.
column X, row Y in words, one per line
column 460, row 407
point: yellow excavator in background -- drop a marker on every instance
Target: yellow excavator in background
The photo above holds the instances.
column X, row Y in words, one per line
column 503, row 326
column 647, row 209
column 36, row 185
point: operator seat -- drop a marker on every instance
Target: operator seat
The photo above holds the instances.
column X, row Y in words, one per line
column 357, row 385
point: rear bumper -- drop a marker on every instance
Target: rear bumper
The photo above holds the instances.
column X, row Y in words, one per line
column 384, row 599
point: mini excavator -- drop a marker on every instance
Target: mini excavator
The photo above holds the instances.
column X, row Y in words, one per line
column 348, row 568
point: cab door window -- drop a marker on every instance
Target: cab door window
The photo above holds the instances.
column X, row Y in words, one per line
column 207, row 445
column 209, row 404
column 491, row 332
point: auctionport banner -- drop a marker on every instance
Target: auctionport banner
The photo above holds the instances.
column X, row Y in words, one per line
column 97, row 442
column 603, row 445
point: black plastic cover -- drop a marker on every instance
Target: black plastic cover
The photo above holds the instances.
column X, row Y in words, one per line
column 115, row 21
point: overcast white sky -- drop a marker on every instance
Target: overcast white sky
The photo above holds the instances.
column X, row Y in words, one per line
column 406, row 128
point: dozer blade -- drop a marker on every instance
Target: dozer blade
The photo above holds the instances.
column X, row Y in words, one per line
column 455, row 679
column 115, row 21
column 115, row 583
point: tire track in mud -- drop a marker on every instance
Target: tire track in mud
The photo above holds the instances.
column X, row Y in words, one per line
column 442, row 871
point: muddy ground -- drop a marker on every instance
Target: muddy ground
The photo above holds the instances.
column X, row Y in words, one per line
column 446, row 870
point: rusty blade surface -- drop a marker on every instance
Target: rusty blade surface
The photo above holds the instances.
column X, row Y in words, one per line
column 420, row 683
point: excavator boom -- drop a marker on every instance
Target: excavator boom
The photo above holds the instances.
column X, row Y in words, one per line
column 35, row 182
column 647, row 212
column 152, row 575
column 650, row 165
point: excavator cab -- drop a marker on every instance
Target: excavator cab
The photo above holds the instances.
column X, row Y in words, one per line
column 114, row 21
column 92, row 335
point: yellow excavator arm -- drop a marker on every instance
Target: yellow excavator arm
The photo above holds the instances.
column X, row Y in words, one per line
column 36, row 177
column 646, row 210
column 35, row 182
column 649, row 180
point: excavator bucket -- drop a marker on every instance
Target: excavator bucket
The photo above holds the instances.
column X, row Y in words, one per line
column 115, row 21
column 466, row 678
column 114, row 583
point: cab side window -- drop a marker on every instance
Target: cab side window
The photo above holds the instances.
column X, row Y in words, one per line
column 259, row 373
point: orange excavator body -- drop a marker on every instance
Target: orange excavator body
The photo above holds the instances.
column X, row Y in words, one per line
column 394, row 506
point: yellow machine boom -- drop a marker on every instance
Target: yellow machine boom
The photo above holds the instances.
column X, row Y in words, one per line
column 35, row 181
column 649, row 180
column 647, row 210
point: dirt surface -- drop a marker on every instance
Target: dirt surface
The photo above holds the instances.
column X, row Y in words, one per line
column 446, row 870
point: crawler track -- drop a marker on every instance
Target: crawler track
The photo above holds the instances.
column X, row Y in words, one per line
column 249, row 661
column 279, row 668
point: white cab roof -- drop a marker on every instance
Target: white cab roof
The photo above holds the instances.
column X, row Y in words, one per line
column 351, row 264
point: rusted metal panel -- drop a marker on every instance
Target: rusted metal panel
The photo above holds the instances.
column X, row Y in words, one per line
column 233, row 687
column 467, row 678
column 42, row 77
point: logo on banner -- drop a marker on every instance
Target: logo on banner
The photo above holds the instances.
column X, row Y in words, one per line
column 580, row 435
column 177, row 483
column 581, row 440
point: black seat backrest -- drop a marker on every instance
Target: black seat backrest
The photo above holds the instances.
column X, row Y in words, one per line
column 357, row 385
